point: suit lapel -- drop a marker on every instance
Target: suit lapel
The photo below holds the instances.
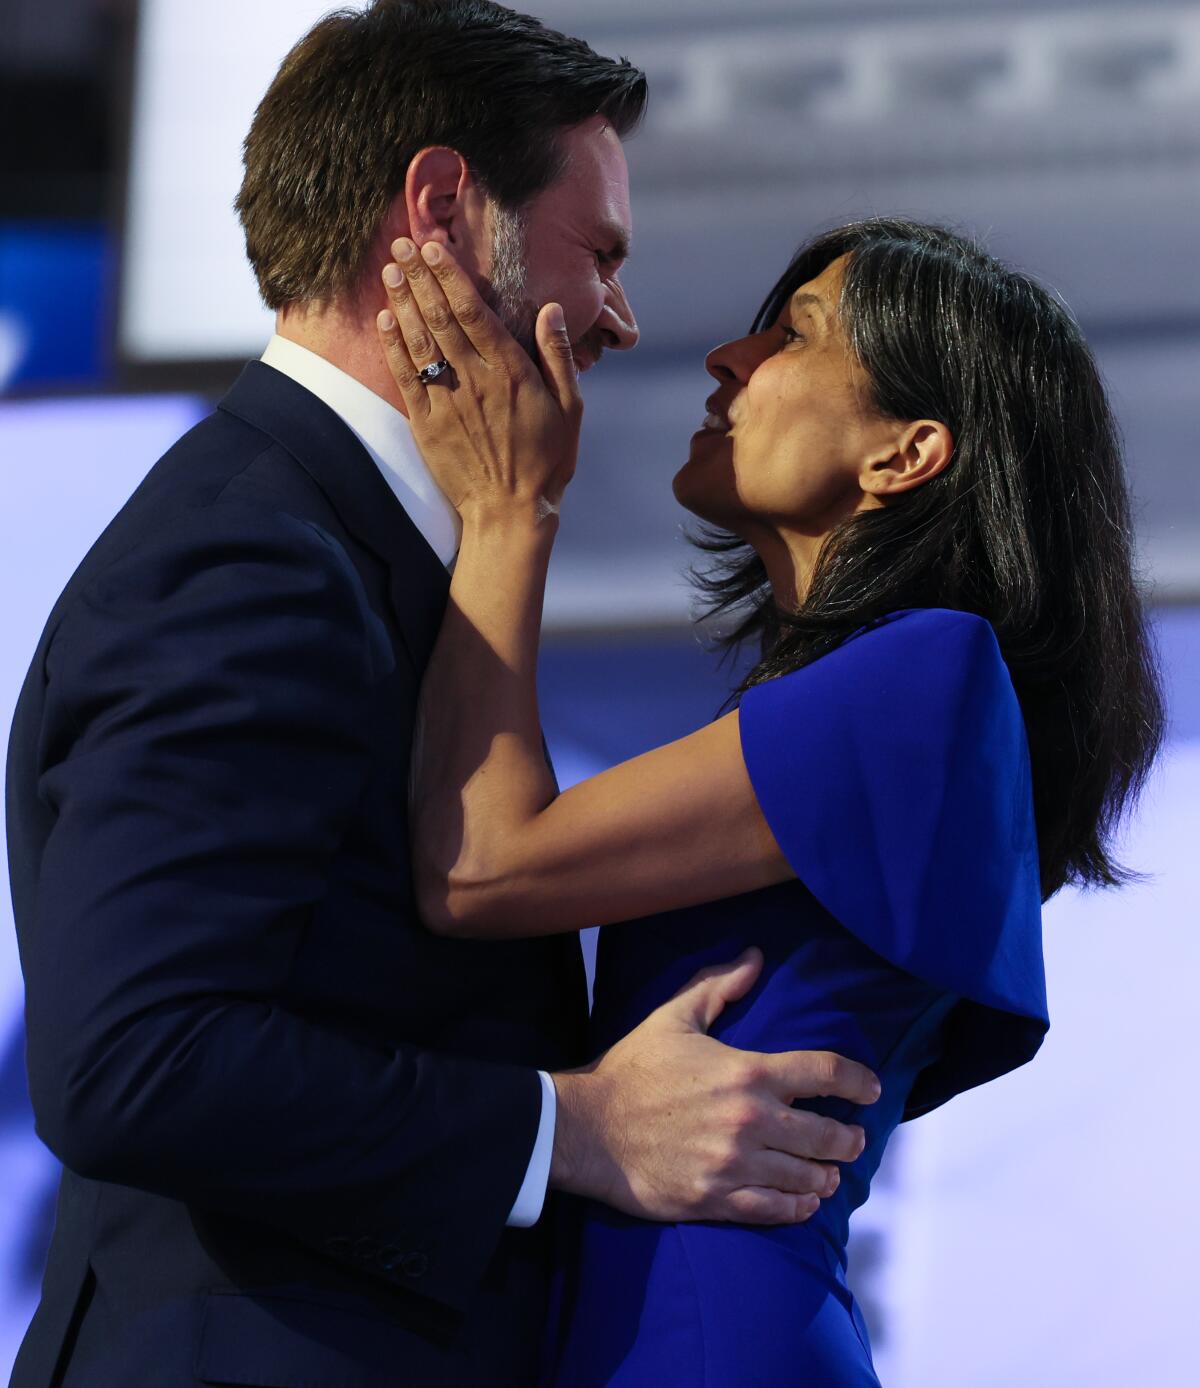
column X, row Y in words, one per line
column 327, row 450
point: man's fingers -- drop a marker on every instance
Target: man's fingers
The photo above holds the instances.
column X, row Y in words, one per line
column 701, row 1001
column 821, row 1074
column 412, row 389
column 759, row 1205
column 791, row 1175
column 812, row 1136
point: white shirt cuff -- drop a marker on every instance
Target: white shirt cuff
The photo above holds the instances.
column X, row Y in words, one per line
column 531, row 1197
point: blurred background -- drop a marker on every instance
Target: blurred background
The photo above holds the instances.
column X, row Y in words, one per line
column 1031, row 1233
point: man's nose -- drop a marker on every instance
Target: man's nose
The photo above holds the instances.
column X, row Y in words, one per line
column 617, row 326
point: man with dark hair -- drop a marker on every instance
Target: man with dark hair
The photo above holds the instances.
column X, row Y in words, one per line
column 304, row 1141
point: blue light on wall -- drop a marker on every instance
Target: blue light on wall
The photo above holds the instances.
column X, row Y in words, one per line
column 66, row 466
column 53, row 293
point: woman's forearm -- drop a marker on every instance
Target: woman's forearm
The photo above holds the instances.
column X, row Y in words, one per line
column 496, row 853
column 479, row 769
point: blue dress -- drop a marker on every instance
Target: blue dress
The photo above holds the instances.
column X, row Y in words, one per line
column 894, row 773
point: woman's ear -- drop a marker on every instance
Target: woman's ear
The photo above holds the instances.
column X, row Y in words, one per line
column 442, row 202
column 923, row 450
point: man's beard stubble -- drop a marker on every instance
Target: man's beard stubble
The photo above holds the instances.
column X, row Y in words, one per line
column 507, row 295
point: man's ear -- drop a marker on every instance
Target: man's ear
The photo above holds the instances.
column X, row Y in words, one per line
column 442, row 202
column 921, row 451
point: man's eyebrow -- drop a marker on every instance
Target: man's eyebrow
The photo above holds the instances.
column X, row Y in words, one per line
column 617, row 240
column 807, row 300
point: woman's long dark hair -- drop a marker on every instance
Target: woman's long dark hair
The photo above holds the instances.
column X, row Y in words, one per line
column 1029, row 526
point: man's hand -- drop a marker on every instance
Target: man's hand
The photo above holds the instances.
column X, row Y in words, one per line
column 670, row 1124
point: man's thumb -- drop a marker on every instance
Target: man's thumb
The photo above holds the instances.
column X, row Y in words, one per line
column 699, row 1003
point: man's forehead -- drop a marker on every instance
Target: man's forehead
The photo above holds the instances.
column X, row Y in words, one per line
column 596, row 177
column 593, row 137
column 594, row 160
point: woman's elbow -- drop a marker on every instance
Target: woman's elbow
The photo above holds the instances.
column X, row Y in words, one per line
column 452, row 906
column 438, row 917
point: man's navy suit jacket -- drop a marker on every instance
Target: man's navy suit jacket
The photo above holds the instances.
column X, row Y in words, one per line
column 292, row 1123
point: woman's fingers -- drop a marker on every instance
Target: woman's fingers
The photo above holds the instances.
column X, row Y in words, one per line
column 503, row 432
column 558, row 360
column 422, row 346
column 476, row 321
column 439, row 335
column 395, row 353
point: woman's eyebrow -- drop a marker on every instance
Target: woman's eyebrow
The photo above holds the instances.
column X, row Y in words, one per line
column 807, row 300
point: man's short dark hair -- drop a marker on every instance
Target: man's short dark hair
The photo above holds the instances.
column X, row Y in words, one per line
column 364, row 91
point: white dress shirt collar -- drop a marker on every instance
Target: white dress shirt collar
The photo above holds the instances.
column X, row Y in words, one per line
column 384, row 432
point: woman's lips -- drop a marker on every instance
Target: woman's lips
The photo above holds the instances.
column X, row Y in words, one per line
column 715, row 423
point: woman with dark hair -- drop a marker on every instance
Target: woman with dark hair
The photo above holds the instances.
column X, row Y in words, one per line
column 921, row 514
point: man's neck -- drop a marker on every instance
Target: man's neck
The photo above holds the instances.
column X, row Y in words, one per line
column 344, row 334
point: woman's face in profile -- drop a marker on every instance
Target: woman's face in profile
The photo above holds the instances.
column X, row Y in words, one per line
column 790, row 428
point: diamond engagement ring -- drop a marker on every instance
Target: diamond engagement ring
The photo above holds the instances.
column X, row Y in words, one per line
column 433, row 370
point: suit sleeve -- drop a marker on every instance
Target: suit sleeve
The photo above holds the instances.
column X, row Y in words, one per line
column 208, row 733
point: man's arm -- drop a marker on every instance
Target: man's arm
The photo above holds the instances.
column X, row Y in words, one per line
column 670, row 1124
column 207, row 737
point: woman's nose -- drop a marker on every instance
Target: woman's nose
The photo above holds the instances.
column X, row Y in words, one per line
column 618, row 327
column 729, row 362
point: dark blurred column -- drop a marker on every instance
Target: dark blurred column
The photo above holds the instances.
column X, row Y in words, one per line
column 56, row 67
column 61, row 75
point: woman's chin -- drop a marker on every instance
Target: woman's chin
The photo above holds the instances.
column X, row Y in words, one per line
column 683, row 484
column 704, row 491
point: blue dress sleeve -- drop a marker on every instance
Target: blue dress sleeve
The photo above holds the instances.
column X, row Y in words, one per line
column 894, row 774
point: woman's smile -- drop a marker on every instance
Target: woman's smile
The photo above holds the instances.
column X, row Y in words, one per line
column 714, row 421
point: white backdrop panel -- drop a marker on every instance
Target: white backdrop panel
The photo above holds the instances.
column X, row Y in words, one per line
column 194, row 96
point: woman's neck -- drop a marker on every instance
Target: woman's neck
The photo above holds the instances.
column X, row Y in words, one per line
column 790, row 555
column 790, row 561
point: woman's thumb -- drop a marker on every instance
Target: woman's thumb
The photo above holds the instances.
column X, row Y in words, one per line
column 700, row 1002
column 558, row 359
